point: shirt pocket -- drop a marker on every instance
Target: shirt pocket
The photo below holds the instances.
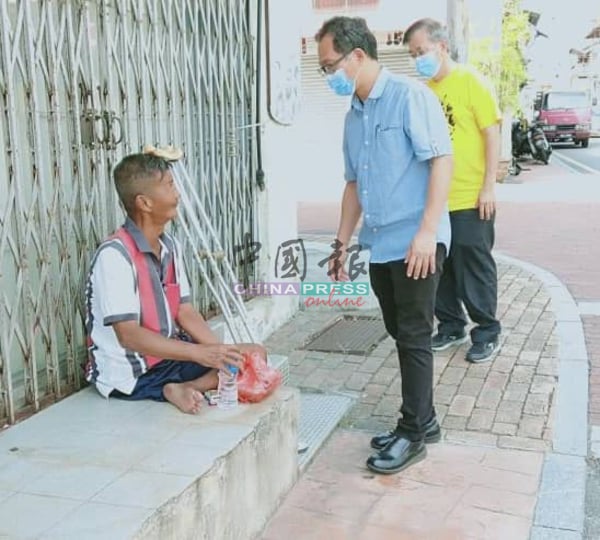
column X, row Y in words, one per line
column 389, row 143
column 387, row 131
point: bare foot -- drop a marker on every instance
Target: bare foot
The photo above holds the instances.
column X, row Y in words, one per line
column 184, row 396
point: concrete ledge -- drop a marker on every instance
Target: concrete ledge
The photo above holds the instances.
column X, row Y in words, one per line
column 559, row 498
column 92, row 468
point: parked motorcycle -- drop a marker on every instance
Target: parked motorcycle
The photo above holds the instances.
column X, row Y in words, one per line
column 530, row 140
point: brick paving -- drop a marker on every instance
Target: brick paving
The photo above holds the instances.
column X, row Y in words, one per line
column 570, row 252
column 552, row 221
column 505, row 403
column 480, row 482
column 591, row 326
column 557, row 233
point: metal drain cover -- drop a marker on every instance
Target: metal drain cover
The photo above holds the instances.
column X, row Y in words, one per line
column 320, row 414
column 349, row 335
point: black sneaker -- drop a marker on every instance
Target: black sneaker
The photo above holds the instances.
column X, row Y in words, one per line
column 482, row 352
column 441, row 342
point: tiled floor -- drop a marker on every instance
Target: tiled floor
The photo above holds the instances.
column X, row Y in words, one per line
column 458, row 492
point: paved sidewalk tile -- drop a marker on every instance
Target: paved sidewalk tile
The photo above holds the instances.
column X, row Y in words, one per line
column 507, row 402
column 458, row 492
column 481, row 481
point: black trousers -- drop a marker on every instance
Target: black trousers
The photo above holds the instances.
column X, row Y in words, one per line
column 407, row 306
column 470, row 277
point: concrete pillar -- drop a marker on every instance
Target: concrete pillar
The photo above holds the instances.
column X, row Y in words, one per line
column 458, row 29
column 506, row 136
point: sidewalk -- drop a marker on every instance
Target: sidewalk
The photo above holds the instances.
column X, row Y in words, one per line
column 504, row 468
column 557, row 227
column 481, row 482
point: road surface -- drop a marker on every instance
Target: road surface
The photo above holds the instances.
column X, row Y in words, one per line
column 580, row 159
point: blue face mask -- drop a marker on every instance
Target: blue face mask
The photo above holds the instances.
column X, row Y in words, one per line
column 340, row 83
column 428, row 65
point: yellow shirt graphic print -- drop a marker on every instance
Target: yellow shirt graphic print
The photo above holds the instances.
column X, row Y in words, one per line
column 470, row 107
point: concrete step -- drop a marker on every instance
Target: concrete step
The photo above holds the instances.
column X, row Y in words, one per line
column 88, row 467
column 94, row 468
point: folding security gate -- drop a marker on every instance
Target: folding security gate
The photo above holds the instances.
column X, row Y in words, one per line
column 82, row 83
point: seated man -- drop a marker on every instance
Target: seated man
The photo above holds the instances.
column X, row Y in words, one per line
column 138, row 302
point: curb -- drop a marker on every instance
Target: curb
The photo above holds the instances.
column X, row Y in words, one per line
column 560, row 508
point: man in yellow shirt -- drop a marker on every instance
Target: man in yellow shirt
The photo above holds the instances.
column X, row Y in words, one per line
column 470, row 274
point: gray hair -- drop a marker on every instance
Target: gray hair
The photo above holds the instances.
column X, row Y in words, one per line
column 435, row 30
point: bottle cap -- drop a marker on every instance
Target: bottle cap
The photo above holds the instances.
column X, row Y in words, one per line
column 233, row 369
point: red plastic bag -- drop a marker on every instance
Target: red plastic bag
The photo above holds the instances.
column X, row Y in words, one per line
column 257, row 380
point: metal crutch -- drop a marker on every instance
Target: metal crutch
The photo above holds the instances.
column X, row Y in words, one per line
column 224, row 292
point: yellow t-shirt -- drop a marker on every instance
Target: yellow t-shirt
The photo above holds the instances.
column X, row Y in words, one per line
column 470, row 107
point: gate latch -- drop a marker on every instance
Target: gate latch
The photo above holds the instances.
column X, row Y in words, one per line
column 101, row 129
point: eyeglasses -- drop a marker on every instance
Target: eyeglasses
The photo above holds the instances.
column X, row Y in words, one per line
column 330, row 68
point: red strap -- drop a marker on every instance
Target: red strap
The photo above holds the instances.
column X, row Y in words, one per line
column 148, row 306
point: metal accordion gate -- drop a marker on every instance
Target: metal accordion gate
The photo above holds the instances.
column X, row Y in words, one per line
column 83, row 83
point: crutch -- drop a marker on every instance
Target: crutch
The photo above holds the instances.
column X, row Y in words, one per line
column 194, row 219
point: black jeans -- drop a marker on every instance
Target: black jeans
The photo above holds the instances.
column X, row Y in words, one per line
column 407, row 306
column 470, row 277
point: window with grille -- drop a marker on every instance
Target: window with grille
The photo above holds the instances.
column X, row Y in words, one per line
column 344, row 4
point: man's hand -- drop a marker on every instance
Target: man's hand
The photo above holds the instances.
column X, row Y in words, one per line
column 336, row 266
column 219, row 356
column 420, row 259
column 487, row 203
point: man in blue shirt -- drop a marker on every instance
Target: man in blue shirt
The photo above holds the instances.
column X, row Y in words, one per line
column 398, row 167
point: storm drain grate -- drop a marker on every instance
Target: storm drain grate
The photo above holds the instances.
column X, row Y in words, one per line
column 320, row 414
column 349, row 335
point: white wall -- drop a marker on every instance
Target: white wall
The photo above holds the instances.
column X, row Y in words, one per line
column 277, row 221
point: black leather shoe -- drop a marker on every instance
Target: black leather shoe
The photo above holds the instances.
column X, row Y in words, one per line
column 397, row 455
column 433, row 434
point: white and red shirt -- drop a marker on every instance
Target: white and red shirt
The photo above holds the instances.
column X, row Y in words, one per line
column 112, row 295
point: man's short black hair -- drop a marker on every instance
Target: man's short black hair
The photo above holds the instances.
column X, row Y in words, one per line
column 349, row 33
column 134, row 174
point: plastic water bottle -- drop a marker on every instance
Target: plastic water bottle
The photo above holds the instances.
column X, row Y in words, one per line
column 228, row 388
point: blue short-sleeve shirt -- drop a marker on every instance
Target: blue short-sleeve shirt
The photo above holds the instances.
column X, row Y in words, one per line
column 389, row 140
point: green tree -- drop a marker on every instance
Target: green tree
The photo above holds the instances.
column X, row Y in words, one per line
column 505, row 66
